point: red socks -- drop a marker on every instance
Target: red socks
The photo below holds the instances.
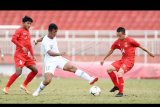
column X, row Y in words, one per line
column 30, row 76
column 113, row 78
column 121, row 84
column 12, row 79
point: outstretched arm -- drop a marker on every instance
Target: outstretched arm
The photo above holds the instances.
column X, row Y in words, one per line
column 108, row 54
column 51, row 53
column 38, row 40
column 149, row 53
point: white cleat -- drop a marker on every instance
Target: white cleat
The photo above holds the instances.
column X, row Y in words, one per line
column 93, row 80
column 35, row 94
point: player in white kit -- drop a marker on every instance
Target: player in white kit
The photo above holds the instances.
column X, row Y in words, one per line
column 53, row 58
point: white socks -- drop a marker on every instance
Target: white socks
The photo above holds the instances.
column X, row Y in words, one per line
column 82, row 74
column 40, row 88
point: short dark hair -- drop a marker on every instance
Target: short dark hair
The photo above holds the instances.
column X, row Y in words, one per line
column 121, row 29
column 52, row 26
column 27, row 18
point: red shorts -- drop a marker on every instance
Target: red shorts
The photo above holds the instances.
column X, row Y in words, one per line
column 23, row 61
column 126, row 65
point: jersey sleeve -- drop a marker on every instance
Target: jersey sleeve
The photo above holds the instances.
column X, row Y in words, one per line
column 134, row 42
column 114, row 46
column 15, row 37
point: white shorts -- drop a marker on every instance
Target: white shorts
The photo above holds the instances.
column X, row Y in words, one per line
column 58, row 62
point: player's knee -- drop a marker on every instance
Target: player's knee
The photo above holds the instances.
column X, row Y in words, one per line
column 72, row 68
column 18, row 73
column 35, row 70
column 120, row 74
column 109, row 69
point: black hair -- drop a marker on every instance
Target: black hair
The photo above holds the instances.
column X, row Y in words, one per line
column 121, row 29
column 52, row 26
column 27, row 18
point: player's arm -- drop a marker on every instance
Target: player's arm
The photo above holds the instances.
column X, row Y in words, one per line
column 32, row 52
column 113, row 47
column 108, row 54
column 136, row 44
column 16, row 42
column 144, row 49
column 51, row 53
column 38, row 40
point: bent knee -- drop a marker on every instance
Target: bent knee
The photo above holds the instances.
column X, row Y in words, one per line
column 18, row 73
column 110, row 69
column 71, row 68
column 120, row 73
column 35, row 70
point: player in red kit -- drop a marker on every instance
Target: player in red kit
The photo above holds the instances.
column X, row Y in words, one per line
column 24, row 55
column 127, row 45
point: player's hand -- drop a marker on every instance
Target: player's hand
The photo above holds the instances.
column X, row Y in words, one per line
column 2, row 57
column 35, row 42
column 25, row 50
column 62, row 53
column 34, row 58
column 151, row 54
column 102, row 62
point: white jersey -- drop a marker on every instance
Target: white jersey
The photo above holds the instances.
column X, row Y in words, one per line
column 49, row 44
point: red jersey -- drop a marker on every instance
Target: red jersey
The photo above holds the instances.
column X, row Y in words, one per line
column 21, row 39
column 127, row 47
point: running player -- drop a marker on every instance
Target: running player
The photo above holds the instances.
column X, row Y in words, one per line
column 24, row 55
column 127, row 45
column 53, row 58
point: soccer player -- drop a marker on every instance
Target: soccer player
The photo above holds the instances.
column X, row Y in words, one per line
column 24, row 55
column 2, row 55
column 127, row 45
column 53, row 58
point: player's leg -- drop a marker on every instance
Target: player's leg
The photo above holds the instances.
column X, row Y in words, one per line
column 125, row 67
column 47, row 79
column 12, row 78
column 121, row 82
column 48, row 75
column 68, row 66
column 110, row 70
column 29, row 78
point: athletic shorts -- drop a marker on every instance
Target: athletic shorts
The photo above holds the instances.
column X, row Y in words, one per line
column 23, row 61
column 58, row 62
column 126, row 65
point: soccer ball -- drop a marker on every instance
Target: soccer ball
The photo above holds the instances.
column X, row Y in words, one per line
column 95, row 90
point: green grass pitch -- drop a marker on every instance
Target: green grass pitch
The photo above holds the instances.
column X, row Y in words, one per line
column 76, row 91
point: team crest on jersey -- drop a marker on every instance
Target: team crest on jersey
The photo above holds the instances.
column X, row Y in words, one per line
column 124, row 66
column 125, row 44
column 25, row 35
